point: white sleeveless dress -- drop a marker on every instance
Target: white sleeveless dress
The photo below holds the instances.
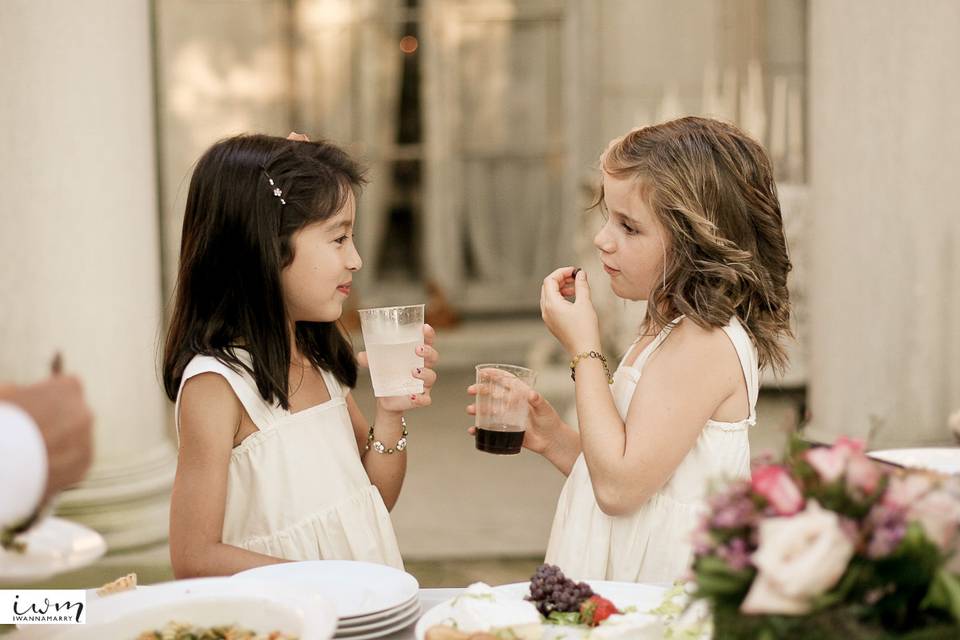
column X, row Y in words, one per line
column 296, row 489
column 652, row 544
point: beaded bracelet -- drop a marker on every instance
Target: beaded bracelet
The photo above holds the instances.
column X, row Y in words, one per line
column 589, row 354
column 379, row 447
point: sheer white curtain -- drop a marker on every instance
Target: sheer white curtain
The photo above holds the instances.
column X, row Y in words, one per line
column 347, row 70
column 494, row 149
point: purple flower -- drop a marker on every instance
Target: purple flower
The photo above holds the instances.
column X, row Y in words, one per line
column 736, row 554
column 732, row 509
column 887, row 524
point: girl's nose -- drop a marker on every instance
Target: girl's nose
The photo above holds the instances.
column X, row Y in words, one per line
column 354, row 262
column 602, row 241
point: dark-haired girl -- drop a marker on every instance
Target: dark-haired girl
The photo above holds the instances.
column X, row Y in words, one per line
column 274, row 457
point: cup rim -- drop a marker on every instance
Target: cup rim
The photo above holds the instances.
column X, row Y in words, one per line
column 503, row 366
column 400, row 306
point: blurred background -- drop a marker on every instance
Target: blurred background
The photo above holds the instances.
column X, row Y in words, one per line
column 481, row 122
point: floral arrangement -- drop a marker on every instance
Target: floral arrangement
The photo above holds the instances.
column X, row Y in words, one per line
column 830, row 544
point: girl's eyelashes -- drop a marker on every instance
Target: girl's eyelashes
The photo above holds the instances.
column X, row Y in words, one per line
column 630, row 230
column 342, row 239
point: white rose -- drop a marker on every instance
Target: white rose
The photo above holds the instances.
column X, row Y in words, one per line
column 799, row 557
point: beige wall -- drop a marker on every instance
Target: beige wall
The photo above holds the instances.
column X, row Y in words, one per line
column 885, row 233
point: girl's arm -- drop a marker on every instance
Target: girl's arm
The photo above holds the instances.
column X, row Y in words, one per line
column 386, row 471
column 209, row 415
column 682, row 386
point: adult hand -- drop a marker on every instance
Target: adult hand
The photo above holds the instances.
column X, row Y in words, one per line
column 58, row 408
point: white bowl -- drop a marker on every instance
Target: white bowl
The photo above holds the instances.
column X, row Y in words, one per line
column 207, row 602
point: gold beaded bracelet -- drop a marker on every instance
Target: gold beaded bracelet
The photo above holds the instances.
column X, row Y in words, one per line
column 379, row 447
column 589, row 354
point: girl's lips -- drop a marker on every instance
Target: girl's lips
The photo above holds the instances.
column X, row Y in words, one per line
column 344, row 289
column 611, row 270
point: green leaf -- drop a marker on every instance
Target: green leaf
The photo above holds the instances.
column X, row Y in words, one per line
column 944, row 594
column 564, row 617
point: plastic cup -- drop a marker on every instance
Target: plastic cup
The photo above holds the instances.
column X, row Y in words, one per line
column 502, row 407
column 391, row 336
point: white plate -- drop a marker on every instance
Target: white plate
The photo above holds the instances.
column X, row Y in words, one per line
column 623, row 594
column 939, row 459
column 207, row 602
column 54, row 545
column 356, row 588
column 367, row 623
column 396, row 612
column 403, row 623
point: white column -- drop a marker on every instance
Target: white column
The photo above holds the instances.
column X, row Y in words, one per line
column 885, row 234
column 80, row 242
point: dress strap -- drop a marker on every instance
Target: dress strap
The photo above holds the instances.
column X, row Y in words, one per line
column 334, row 388
column 655, row 344
column 243, row 387
column 747, row 353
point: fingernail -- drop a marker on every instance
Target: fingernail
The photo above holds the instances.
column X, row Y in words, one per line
column 420, row 349
column 575, row 272
column 419, row 371
column 414, row 398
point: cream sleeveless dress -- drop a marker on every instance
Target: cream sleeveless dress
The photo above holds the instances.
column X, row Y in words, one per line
column 653, row 544
column 296, row 489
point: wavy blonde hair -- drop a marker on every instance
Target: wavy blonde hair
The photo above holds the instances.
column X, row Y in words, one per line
column 711, row 186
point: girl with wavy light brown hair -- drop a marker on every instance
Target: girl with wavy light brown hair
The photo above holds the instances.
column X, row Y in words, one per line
column 693, row 227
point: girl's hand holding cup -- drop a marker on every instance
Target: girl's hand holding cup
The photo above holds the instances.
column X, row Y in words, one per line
column 424, row 373
column 574, row 324
column 543, row 422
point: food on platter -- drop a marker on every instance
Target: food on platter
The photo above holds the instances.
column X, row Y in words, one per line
column 445, row 632
column 123, row 583
column 181, row 631
column 481, row 609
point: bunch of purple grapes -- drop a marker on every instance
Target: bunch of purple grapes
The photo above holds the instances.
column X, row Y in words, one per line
column 551, row 591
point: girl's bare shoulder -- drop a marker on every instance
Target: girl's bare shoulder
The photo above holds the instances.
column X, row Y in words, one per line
column 691, row 347
column 208, row 404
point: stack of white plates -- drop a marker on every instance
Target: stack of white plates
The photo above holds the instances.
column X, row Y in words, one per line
column 371, row 600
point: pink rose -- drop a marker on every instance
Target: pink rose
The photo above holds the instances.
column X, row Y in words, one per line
column 831, row 462
column 775, row 484
column 850, row 445
column 863, row 474
column 827, row 462
column 904, row 490
column 938, row 513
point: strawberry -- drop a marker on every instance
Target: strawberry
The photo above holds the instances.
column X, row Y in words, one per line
column 596, row 609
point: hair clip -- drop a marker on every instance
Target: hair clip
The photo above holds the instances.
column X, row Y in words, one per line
column 276, row 190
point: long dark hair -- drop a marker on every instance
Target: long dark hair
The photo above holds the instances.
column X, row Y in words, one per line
column 236, row 240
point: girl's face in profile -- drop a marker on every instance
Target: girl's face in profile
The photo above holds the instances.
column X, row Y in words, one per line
column 632, row 243
column 318, row 280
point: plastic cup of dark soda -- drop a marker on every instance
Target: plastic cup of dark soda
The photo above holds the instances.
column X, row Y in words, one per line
column 502, row 407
